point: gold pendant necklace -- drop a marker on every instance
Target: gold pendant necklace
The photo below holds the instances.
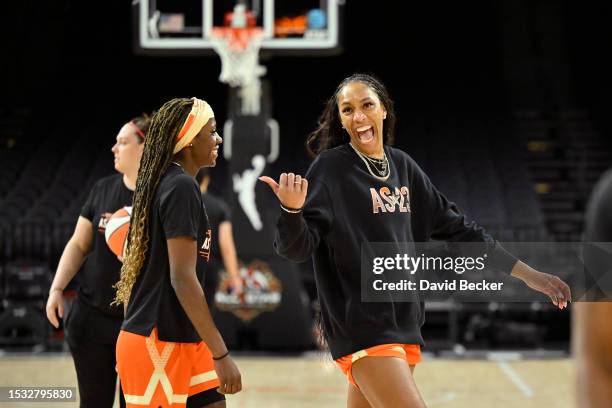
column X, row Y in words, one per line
column 384, row 172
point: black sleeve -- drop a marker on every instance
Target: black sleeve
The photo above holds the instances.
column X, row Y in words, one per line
column 298, row 235
column 449, row 224
column 88, row 210
column 181, row 208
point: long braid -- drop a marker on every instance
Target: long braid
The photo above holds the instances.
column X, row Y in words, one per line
column 156, row 158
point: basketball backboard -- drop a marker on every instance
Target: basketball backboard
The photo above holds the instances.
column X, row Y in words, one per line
column 296, row 27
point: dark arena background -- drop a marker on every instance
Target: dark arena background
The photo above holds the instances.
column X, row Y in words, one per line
column 504, row 104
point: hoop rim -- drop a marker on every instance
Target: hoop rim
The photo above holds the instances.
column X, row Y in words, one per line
column 237, row 38
column 221, row 30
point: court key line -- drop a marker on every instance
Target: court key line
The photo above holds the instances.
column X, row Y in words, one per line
column 515, row 378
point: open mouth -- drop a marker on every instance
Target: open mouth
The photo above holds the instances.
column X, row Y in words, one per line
column 365, row 134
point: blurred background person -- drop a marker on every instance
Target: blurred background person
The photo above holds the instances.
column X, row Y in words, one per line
column 592, row 327
column 92, row 325
column 223, row 249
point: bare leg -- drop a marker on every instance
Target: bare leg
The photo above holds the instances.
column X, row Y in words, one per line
column 356, row 399
column 387, row 382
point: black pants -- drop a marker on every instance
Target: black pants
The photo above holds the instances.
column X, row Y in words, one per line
column 93, row 355
column 95, row 368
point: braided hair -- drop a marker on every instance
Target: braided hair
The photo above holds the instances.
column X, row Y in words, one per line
column 329, row 133
column 156, row 157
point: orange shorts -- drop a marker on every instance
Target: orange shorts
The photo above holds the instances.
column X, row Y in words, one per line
column 163, row 374
column 409, row 352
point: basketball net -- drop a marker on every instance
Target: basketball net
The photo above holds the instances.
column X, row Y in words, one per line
column 239, row 52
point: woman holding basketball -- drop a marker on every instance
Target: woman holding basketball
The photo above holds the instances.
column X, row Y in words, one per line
column 169, row 352
column 375, row 344
column 92, row 325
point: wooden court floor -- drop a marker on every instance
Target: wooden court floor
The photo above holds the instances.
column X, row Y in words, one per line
column 312, row 381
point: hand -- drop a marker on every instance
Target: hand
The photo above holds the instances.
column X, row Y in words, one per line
column 550, row 285
column 237, row 286
column 230, row 381
column 291, row 190
column 55, row 307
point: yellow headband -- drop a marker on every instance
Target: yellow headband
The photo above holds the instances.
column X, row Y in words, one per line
column 200, row 114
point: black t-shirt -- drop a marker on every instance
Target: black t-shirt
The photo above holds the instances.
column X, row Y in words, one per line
column 176, row 211
column 339, row 217
column 218, row 212
column 102, row 268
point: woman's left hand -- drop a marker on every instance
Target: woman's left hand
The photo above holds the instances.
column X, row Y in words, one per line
column 550, row 285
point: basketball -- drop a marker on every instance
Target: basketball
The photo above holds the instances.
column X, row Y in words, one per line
column 117, row 230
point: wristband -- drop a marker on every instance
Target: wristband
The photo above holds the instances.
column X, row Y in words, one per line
column 291, row 210
column 221, row 357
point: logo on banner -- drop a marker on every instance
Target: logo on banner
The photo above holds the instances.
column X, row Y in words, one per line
column 244, row 186
column 262, row 292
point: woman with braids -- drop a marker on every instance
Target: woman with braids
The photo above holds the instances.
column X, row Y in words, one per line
column 92, row 325
column 161, row 358
column 376, row 344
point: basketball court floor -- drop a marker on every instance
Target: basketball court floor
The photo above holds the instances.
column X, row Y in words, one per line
column 314, row 381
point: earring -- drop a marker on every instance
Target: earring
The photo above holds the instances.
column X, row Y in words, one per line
column 190, row 145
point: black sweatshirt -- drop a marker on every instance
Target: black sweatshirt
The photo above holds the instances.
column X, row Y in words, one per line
column 346, row 207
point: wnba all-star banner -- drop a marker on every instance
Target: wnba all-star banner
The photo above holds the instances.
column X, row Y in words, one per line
column 273, row 295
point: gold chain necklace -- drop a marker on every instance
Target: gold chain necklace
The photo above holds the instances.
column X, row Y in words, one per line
column 383, row 172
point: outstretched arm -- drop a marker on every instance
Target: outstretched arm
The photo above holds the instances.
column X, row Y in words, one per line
column 449, row 224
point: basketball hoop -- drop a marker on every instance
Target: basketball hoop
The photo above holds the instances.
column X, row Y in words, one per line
column 239, row 52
